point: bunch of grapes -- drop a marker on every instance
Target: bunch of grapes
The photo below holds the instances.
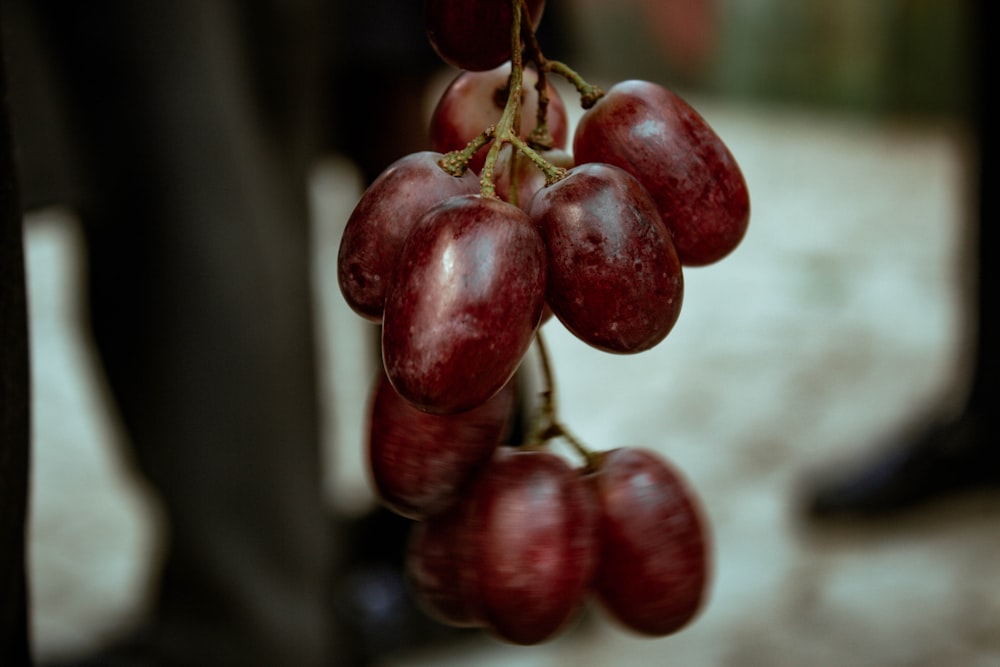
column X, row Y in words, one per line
column 460, row 253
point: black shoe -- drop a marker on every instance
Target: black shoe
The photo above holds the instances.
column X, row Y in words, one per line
column 944, row 459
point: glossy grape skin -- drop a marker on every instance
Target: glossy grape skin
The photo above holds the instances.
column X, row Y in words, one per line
column 419, row 462
column 658, row 138
column 437, row 569
column 474, row 101
column 381, row 220
column 464, row 303
column 531, row 552
column 529, row 178
column 614, row 278
column 652, row 570
column 474, row 35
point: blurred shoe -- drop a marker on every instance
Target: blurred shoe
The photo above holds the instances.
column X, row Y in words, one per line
column 942, row 459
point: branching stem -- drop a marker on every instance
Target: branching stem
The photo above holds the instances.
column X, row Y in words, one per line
column 547, row 424
column 589, row 94
column 552, row 172
column 510, row 119
column 507, row 129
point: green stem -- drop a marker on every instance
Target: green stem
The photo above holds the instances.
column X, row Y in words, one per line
column 552, row 172
column 548, row 424
column 507, row 128
column 456, row 162
column 510, row 119
column 589, row 94
column 540, row 136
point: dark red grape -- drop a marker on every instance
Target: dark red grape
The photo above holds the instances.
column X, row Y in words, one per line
column 437, row 567
column 381, row 220
column 530, row 528
column 419, row 462
column 653, row 565
column 475, row 100
column 527, row 176
column 474, row 35
column 658, row 138
column 614, row 278
column 464, row 303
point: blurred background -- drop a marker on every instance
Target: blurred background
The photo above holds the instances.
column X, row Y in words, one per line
column 887, row 56
column 842, row 315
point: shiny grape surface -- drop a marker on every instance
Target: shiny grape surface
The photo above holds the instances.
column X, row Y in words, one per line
column 652, row 569
column 381, row 220
column 528, row 546
column 657, row 137
column 614, row 278
column 464, row 304
column 419, row 462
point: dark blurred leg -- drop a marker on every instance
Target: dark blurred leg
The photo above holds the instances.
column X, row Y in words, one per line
column 956, row 453
column 14, row 404
column 202, row 311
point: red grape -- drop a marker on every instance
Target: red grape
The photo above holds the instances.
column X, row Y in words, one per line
column 464, row 303
column 381, row 220
column 614, row 278
column 530, row 527
column 419, row 462
column 437, row 569
column 653, row 563
column 475, row 100
column 474, row 35
column 658, row 138
column 528, row 177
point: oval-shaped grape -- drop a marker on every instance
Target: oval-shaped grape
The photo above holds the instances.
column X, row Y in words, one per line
column 474, row 101
column 474, row 35
column 437, row 568
column 419, row 462
column 614, row 278
column 531, row 551
column 381, row 220
column 657, row 137
column 652, row 567
column 464, row 303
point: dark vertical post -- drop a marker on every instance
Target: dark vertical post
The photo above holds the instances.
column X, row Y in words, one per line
column 985, row 389
column 14, row 404
column 985, row 126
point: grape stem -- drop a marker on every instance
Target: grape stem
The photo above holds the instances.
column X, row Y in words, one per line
column 540, row 136
column 455, row 162
column 507, row 129
column 589, row 94
column 547, row 424
column 510, row 119
column 552, row 172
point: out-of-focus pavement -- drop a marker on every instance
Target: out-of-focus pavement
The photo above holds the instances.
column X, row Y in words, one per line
column 837, row 319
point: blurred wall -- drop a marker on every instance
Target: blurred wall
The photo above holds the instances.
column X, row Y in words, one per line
column 898, row 56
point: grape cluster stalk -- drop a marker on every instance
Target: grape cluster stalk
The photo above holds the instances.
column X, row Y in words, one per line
column 461, row 253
